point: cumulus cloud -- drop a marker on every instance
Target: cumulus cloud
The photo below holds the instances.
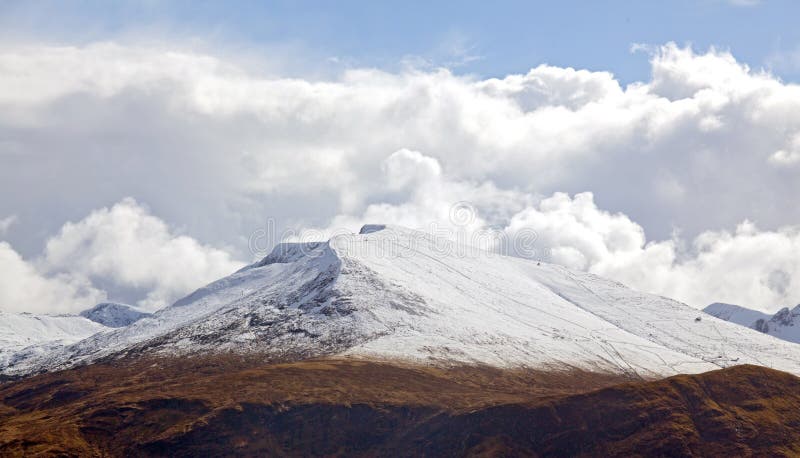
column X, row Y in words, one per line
column 217, row 147
column 121, row 248
column 748, row 266
column 126, row 246
column 576, row 233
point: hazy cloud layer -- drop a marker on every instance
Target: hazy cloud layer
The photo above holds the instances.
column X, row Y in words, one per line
column 217, row 148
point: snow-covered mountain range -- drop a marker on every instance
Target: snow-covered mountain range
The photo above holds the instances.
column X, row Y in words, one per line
column 397, row 294
column 785, row 324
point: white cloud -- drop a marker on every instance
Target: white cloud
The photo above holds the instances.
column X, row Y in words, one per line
column 122, row 247
column 216, row 148
column 410, row 170
column 576, row 232
column 125, row 245
column 24, row 289
column 748, row 266
column 554, row 86
column 248, row 142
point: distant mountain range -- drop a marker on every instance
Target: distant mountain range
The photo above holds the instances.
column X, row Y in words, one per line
column 785, row 324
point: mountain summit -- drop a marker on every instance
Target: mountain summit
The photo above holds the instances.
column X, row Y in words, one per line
column 390, row 293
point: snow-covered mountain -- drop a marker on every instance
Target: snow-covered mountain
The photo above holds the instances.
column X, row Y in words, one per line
column 393, row 293
column 785, row 324
column 114, row 314
column 25, row 335
column 736, row 313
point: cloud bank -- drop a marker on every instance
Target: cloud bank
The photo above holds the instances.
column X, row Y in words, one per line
column 676, row 185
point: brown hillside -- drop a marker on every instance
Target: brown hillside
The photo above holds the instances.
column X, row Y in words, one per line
column 227, row 405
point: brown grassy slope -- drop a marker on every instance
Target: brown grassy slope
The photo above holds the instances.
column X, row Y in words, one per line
column 224, row 406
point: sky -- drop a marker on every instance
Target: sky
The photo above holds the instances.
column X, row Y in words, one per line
column 483, row 38
column 146, row 148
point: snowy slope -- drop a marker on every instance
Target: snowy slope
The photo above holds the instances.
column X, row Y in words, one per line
column 113, row 314
column 736, row 314
column 24, row 335
column 392, row 293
